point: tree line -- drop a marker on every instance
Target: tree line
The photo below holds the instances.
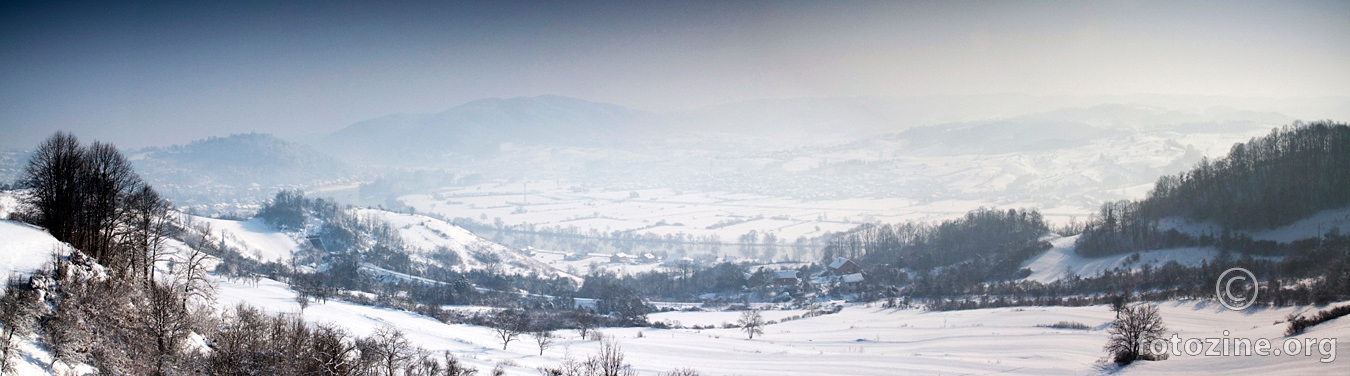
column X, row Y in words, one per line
column 89, row 197
column 997, row 240
column 1287, row 175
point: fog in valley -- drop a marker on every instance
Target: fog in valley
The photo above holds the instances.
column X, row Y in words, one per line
column 658, row 167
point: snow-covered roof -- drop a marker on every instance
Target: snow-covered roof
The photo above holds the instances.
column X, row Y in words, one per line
column 785, row 274
column 852, row 278
column 838, row 262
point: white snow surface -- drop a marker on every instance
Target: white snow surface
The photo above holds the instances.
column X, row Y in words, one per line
column 860, row 340
column 423, row 234
column 1061, row 262
column 254, row 238
column 25, row 248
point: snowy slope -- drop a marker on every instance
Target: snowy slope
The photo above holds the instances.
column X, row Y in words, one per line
column 1061, row 262
column 253, row 237
column 421, row 234
column 1311, row 227
column 25, row 248
column 424, row 234
column 860, row 340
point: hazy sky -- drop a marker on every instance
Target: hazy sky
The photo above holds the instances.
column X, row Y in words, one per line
column 141, row 74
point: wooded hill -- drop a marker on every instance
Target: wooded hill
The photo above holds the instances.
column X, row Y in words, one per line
column 1290, row 174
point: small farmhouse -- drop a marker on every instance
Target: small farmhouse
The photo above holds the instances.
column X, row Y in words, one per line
column 843, row 266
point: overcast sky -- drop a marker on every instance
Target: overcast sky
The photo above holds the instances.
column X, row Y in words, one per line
column 141, row 74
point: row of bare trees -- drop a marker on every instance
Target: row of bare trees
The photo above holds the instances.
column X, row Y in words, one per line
column 90, row 197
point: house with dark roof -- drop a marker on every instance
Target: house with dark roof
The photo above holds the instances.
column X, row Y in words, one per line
column 843, row 266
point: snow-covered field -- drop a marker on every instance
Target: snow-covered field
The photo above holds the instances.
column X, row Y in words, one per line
column 860, row 340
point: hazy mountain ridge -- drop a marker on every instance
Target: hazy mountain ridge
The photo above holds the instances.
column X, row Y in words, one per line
column 233, row 167
column 734, row 148
column 476, row 130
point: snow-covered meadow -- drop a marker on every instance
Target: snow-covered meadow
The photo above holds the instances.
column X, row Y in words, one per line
column 859, row 340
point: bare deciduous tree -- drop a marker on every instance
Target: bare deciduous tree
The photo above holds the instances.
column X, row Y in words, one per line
column 681, row 372
column 510, row 324
column 389, row 350
column 751, row 323
column 193, row 280
column 18, row 310
column 584, row 322
column 1133, row 332
column 543, row 338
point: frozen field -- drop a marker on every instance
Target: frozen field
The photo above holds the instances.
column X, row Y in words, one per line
column 860, row 340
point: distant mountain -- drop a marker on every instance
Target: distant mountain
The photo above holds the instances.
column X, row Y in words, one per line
column 1003, row 136
column 219, row 169
column 811, row 117
column 1076, row 127
column 477, row 130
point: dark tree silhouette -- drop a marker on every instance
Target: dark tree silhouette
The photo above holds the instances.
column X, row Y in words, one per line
column 1131, row 334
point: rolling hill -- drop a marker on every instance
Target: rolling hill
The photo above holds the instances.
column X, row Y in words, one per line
column 240, row 167
column 476, row 130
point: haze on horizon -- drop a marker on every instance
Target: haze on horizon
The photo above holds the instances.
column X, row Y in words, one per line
column 145, row 73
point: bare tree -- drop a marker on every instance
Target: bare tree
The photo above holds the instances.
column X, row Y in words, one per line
column 584, row 322
column 18, row 309
column 1119, row 303
column 544, row 338
column 303, row 301
column 331, row 354
column 1136, row 329
column 751, row 323
column 193, row 280
column 681, row 372
column 609, row 362
column 53, row 177
column 388, row 349
column 150, row 220
column 167, row 323
column 453, row 367
column 510, row 324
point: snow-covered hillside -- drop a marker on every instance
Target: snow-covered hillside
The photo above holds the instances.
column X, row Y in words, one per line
column 423, row 234
column 254, row 238
column 1311, row 227
column 25, row 248
column 1061, row 262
